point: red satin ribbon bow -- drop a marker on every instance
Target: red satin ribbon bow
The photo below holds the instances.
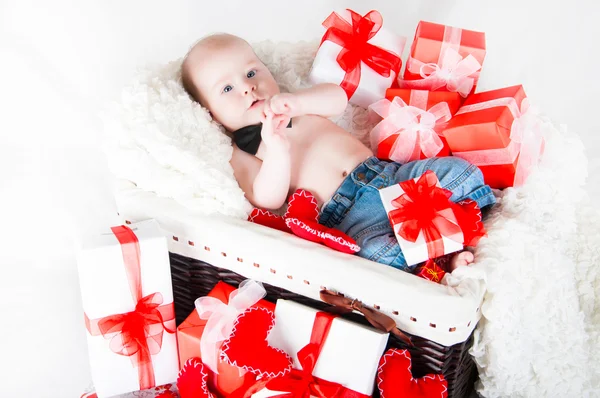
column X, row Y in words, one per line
column 426, row 207
column 356, row 49
column 136, row 334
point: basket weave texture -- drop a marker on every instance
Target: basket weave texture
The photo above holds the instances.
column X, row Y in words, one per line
column 193, row 278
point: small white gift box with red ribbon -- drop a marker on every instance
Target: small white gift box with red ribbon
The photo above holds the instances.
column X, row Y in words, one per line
column 360, row 55
column 127, row 297
column 331, row 356
column 423, row 218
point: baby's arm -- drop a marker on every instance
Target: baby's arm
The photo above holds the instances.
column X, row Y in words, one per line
column 325, row 99
column 267, row 183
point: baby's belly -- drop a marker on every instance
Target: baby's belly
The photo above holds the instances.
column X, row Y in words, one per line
column 321, row 162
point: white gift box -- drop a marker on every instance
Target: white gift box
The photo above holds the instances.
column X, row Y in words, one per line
column 416, row 252
column 350, row 355
column 372, row 86
column 105, row 291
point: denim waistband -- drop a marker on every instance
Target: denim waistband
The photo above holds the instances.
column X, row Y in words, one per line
column 333, row 210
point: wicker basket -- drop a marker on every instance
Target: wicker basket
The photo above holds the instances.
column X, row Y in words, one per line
column 193, row 278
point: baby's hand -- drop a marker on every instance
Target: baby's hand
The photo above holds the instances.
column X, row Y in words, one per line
column 273, row 136
column 285, row 104
column 280, row 120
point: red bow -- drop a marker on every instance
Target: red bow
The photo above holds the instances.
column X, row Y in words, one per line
column 136, row 334
column 354, row 39
column 301, row 383
column 425, row 207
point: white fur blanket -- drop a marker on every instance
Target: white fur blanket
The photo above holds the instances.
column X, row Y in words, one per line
column 540, row 333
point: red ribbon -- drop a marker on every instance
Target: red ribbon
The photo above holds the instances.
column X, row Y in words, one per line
column 136, row 334
column 354, row 39
column 425, row 207
column 301, row 383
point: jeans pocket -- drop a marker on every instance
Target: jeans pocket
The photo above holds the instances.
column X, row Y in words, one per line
column 380, row 228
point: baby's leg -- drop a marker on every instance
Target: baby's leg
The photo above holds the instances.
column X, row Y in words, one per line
column 463, row 179
column 367, row 222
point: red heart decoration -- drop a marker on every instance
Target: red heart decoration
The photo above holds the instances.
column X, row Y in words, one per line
column 268, row 219
column 192, row 380
column 468, row 216
column 303, row 205
column 316, row 232
column 247, row 346
column 301, row 219
column 395, row 380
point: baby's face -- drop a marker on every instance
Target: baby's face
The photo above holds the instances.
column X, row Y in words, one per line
column 232, row 83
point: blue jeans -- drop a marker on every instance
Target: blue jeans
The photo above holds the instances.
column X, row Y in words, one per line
column 356, row 208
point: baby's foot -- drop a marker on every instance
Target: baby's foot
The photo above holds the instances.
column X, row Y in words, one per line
column 461, row 259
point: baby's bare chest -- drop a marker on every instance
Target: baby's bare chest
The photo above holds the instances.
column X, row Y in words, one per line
column 314, row 133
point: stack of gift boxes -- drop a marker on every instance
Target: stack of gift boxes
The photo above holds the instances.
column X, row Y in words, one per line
column 236, row 344
column 432, row 110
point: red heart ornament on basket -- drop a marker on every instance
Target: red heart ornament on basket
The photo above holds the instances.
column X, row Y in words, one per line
column 301, row 219
column 192, row 380
column 268, row 219
column 302, row 204
column 247, row 346
column 316, row 232
column 394, row 378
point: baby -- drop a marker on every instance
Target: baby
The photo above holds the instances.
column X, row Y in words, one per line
column 285, row 141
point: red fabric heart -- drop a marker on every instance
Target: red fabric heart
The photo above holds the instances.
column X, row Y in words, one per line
column 301, row 219
column 192, row 380
column 468, row 216
column 247, row 346
column 268, row 219
column 316, row 232
column 303, row 205
column 394, row 378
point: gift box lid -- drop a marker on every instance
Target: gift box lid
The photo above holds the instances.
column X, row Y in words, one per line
column 101, row 269
column 350, row 355
column 148, row 229
column 435, row 32
column 453, row 99
column 491, row 125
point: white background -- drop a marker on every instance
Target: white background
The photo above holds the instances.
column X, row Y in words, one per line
column 61, row 61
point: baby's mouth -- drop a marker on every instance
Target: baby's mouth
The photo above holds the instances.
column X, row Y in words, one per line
column 256, row 103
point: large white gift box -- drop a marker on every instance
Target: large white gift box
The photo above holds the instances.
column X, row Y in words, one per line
column 126, row 291
column 350, row 355
column 418, row 251
column 371, row 84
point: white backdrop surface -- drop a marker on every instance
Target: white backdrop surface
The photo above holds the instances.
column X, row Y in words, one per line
column 61, row 61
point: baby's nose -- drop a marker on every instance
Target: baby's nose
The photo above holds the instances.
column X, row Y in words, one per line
column 250, row 88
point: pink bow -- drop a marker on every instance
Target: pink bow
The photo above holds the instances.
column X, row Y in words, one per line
column 221, row 318
column 415, row 129
column 454, row 72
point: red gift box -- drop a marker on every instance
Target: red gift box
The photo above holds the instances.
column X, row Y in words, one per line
column 409, row 132
column 444, row 57
column 430, row 270
column 189, row 334
column 424, row 99
column 491, row 131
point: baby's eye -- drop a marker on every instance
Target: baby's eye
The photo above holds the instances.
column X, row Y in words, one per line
column 227, row 88
column 251, row 74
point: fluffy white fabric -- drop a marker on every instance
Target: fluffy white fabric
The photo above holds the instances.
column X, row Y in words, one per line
column 539, row 335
